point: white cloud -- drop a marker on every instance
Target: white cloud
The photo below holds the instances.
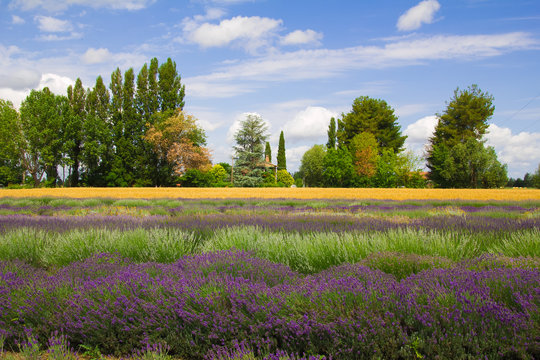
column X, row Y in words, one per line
column 19, row 78
column 418, row 134
column 422, row 13
column 60, row 5
column 520, row 151
column 58, row 84
column 50, row 24
column 17, row 20
column 294, row 157
column 55, row 37
column 324, row 63
column 310, row 123
column 300, row 37
column 96, row 56
column 248, row 32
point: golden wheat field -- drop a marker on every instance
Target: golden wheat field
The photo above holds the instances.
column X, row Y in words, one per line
column 274, row 193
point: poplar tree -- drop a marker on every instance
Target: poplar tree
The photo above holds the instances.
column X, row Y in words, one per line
column 73, row 129
column 281, row 160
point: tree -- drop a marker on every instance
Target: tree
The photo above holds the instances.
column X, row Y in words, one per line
column 73, row 125
column 535, row 181
column 365, row 155
column 219, row 175
column 268, row 152
column 332, row 135
column 457, row 156
column 374, row 116
column 97, row 151
column 250, row 139
column 11, row 141
column 466, row 117
column 284, row 178
column 312, row 166
column 338, row 168
column 180, row 141
column 281, row 160
column 41, row 120
column 171, row 92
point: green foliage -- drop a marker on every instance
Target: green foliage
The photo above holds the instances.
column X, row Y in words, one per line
column 197, row 178
column 219, row 174
column 11, row 142
column 283, row 177
column 465, row 117
column 536, row 178
column 281, row 159
column 332, row 134
column 41, row 119
column 250, row 139
column 374, row 116
column 312, row 166
column 338, row 168
column 467, row 165
column 457, row 156
column 268, row 152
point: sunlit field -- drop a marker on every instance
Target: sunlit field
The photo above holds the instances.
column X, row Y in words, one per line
column 276, row 193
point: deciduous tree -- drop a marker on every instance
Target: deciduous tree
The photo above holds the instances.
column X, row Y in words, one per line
column 374, row 116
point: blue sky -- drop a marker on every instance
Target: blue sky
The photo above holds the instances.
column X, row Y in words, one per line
column 296, row 63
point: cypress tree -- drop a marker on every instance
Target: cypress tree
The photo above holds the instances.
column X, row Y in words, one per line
column 332, row 135
column 268, row 152
column 281, row 160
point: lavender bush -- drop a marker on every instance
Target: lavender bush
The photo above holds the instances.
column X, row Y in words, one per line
column 231, row 303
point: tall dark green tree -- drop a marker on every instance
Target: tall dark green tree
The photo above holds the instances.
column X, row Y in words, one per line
column 170, row 89
column 466, row 117
column 332, row 134
column 250, row 140
column 73, row 124
column 11, row 143
column 281, row 159
column 457, row 156
column 374, row 116
column 97, row 148
column 268, row 152
column 41, row 120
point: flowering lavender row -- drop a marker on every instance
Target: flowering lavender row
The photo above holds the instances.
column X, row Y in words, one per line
column 208, row 305
column 273, row 222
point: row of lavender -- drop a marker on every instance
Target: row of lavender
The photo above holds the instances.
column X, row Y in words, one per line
column 232, row 303
column 304, row 223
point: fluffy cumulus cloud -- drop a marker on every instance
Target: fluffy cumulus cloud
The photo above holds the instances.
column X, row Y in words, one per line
column 419, row 132
column 249, row 32
column 301, row 37
column 96, row 56
column 520, row 151
column 310, row 123
column 19, row 78
column 51, row 24
column 60, row 5
column 294, row 157
column 423, row 13
column 56, row 83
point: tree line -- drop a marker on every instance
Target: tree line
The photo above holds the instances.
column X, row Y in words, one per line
column 135, row 133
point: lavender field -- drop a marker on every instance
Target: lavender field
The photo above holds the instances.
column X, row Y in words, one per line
column 269, row 279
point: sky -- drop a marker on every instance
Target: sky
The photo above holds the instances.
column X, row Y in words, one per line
column 295, row 63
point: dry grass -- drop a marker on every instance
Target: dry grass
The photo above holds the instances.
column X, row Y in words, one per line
column 274, row 193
